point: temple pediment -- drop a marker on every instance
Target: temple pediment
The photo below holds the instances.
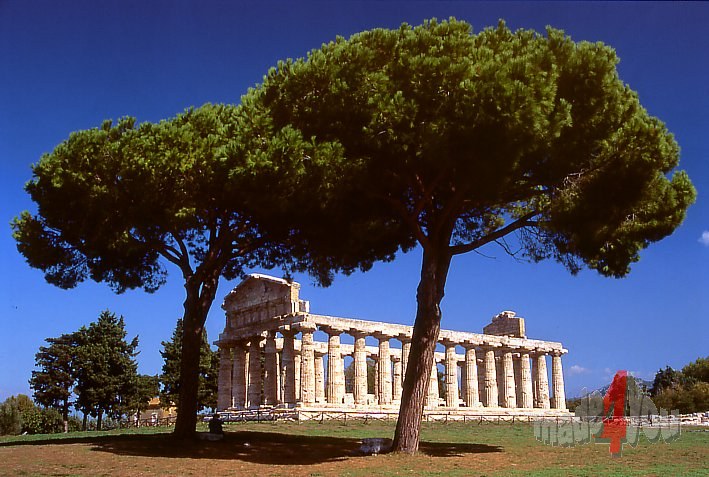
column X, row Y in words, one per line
column 261, row 298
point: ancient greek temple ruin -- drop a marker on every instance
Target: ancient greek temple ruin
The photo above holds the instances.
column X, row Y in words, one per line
column 269, row 357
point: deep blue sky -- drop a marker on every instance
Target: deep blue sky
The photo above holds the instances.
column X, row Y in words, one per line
column 66, row 66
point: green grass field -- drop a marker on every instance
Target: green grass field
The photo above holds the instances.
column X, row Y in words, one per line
column 325, row 449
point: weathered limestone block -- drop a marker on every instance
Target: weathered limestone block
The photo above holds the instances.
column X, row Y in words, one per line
column 510, row 397
column 526, row 393
column 405, row 350
column 471, row 396
column 307, row 364
column 260, row 298
column 254, row 391
column 451, row 377
column 224, row 385
column 270, row 370
column 506, row 324
column 542, row 380
column 557, row 379
column 360, row 370
column 384, row 370
column 297, row 359
column 320, row 377
column 239, row 375
column 433, row 392
column 500, row 380
column 396, row 393
column 333, row 366
column 288, row 367
column 491, row 394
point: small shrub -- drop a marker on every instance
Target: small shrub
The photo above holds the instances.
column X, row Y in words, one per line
column 36, row 420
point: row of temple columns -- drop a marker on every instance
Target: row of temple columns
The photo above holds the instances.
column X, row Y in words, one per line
column 489, row 376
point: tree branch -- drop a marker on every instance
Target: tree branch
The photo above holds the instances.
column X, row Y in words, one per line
column 517, row 224
column 170, row 254
column 184, row 257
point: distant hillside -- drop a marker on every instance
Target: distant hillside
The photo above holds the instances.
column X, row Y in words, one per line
column 644, row 384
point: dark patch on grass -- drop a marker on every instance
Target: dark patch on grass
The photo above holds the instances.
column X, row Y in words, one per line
column 272, row 448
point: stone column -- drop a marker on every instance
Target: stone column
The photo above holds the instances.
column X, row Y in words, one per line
column 333, row 365
column 500, row 378
column 384, row 370
column 451, row 378
column 481, row 375
column 405, row 350
column 319, row 378
column 433, row 391
column 341, row 389
column 297, row 361
column 396, row 392
column 526, row 392
column 542, row 380
column 254, row 392
column 509, row 398
column 359, row 389
column 270, row 374
column 463, row 380
column 375, row 391
column 518, row 378
column 535, row 382
column 307, row 364
column 224, row 379
column 557, row 381
column 471, row 395
column 279, row 379
column 490, row 391
column 288, row 367
column 238, row 377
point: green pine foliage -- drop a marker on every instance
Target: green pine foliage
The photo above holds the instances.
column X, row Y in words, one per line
column 106, row 368
column 53, row 381
column 456, row 139
column 95, row 370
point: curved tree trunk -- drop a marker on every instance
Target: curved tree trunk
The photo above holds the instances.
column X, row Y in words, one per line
column 434, row 271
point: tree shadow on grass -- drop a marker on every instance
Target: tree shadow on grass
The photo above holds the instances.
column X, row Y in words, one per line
column 249, row 446
column 447, row 449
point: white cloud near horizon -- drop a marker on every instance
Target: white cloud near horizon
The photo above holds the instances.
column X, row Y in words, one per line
column 704, row 239
column 576, row 369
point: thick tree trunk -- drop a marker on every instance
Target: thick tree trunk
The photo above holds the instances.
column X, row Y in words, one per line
column 84, row 421
column 434, row 271
column 99, row 420
column 196, row 308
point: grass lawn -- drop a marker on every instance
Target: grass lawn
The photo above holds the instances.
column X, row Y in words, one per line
column 324, row 449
